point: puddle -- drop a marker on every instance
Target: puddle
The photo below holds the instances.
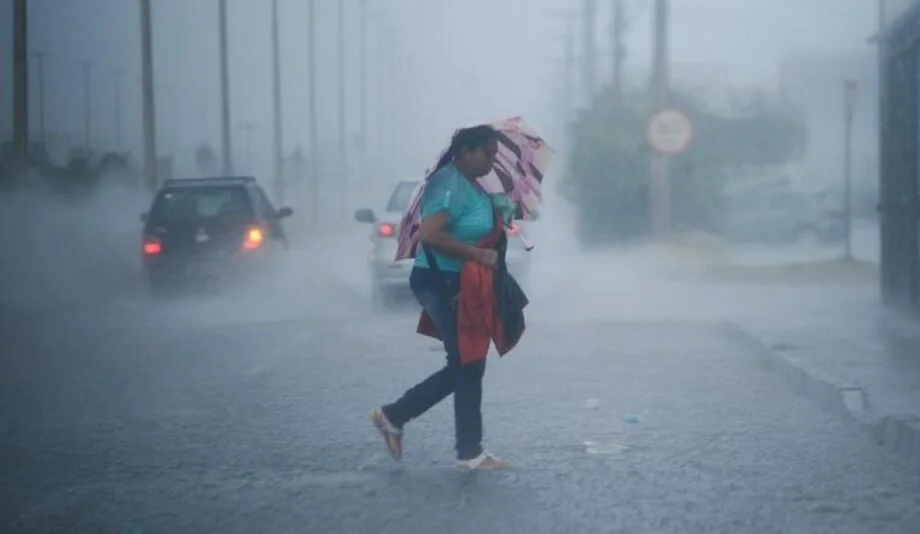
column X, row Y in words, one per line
column 605, row 449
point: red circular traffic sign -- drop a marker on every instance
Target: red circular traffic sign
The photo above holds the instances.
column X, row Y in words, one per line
column 670, row 132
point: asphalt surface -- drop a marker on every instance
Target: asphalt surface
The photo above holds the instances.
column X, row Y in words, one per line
column 229, row 426
column 249, row 413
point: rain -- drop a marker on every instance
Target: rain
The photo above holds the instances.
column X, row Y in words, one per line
column 721, row 260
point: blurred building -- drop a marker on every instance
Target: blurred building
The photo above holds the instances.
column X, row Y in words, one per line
column 899, row 129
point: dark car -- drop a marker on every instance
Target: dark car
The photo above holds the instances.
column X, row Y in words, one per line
column 209, row 228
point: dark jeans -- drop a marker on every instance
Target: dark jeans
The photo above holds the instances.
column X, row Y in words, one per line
column 464, row 381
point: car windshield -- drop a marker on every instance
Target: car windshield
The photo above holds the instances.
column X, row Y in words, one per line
column 201, row 203
column 399, row 200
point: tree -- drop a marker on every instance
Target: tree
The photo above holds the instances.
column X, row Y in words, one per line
column 608, row 170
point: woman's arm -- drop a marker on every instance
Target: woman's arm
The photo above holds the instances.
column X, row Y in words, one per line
column 433, row 232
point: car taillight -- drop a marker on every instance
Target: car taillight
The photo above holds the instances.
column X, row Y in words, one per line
column 386, row 230
column 152, row 246
column 254, row 238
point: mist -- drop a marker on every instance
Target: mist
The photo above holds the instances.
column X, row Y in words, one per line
column 734, row 342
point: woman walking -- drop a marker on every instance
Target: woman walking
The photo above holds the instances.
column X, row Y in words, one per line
column 457, row 215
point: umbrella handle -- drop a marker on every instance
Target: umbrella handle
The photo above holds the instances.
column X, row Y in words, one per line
column 528, row 245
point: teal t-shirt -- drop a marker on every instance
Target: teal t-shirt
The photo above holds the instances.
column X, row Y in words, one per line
column 468, row 207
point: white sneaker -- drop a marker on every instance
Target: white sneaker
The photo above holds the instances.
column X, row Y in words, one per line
column 483, row 462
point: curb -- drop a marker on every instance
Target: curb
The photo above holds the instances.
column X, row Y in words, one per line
column 900, row 434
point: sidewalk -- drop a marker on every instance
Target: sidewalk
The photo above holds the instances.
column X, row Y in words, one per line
column 827, row 333
column 828, row 336
column 852, row 357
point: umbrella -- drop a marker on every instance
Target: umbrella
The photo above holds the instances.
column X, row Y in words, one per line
column 520, row 164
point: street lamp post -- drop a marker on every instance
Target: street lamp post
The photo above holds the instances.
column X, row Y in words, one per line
column 116, row 77
column 362, row 145
column 850, row 88
column 40, row 57
column 313, row 163
column 278, row 146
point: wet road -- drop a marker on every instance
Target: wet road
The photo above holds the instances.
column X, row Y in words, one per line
column 225, row 425
column 244, row 414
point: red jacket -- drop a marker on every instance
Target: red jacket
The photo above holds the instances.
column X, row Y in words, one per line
column 479, row 321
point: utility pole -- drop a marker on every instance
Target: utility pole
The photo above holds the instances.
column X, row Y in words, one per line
column 40, row 57
column 378, row 76
column 618, row 49
column 392, row 100
column 363, row 168
column 226, row 141
column 849, row 88
column 276, row 104
column 117, row 75
column 887, row 282
column 342, row 181
column 87, row 103
column 589, row 52
column 313, row 165
column 20, row 89
column 660, row 198
column 150, row 129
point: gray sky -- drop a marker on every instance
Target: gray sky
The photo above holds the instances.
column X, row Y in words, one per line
column 461, row 61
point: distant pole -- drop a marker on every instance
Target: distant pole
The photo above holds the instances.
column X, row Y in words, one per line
column 313, row 164
column 20, row 89
column 363, row 172
column 618, row 51
column 117, row 75
column 226, row 140
column 850, row 88
column 40, row 57
column 589, row 54
column 87, row 67
column 379, row 76
column 276, row 102
column 342, row 178
column 150, row 129
column 660, row 197
column 392, row 105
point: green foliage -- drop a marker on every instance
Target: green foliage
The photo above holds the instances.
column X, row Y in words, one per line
column 607, row 175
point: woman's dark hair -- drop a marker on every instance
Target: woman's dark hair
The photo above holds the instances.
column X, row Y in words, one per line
column 468, row 138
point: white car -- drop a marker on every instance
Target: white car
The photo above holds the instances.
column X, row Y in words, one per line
column 389, row 278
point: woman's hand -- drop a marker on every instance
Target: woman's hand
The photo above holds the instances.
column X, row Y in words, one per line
column 487, row 257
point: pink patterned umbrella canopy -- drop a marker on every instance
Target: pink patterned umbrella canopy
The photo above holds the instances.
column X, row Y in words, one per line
column 522, row 160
